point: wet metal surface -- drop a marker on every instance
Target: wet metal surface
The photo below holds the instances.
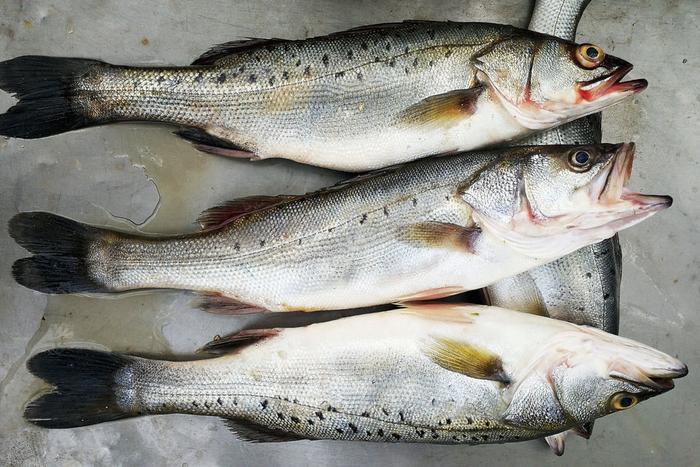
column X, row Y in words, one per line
column 142, row 177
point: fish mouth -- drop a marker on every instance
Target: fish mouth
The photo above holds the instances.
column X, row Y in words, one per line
column 661, row 382
column 610, row 186
column 611, row 84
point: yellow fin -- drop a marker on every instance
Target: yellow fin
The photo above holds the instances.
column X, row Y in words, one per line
column 443, row 235
column 467, row 359
column 443, row 109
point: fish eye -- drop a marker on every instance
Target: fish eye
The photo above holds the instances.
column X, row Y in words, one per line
column 589, row 55
column 580, row 160
column 623, row 400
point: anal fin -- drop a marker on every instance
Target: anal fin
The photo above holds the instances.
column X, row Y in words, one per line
column 238, row 340
column 254, row 433
column 443, row 235
column 443, row 109
column 223, row 305
column 210, row 144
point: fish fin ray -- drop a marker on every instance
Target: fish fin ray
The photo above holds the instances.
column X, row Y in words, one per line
column 224, row 213
column 238, row 340
column 205, row 142
column 254, row 433
column 216, row 303
column 443, row 109
column 443, row 235
column 467, row 359
column 385, row 26
column 557, row 442
column 219, row 51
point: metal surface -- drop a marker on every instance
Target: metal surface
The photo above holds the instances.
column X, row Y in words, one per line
column 145, row 174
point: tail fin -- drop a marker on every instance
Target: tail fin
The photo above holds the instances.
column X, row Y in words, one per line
column 61, row 246
column 45, row 89
column 85, row 382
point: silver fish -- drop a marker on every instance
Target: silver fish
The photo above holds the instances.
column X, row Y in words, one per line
column 425, row 374
column 357, row 100
column 430, row 228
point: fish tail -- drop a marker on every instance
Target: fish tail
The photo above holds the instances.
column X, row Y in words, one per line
column 87, row 386
column 45, row 87
column 62, row 248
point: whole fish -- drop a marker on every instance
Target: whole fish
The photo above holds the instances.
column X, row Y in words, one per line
column 431, row 374
column 427, row 229
column 356, row 100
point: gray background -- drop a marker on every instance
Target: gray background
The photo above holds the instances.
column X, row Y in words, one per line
column 140, row 176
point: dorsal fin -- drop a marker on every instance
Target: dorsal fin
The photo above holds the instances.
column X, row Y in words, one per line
column 238, row 340
column 224, row 213
column 387, row 27
column 220, row 51
column 254, row 433
column 468, row 359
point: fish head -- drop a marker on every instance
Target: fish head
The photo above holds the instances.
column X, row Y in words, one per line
column 547, row 201
column 543, row 81
column 585, row 374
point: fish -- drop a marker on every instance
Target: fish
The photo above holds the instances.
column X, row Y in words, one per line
column 423, row 230
column 357, row 100
column 448, row 374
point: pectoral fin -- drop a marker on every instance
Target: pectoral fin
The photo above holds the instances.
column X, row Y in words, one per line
column 467, row 359
column 443, row 235
column 443, row 109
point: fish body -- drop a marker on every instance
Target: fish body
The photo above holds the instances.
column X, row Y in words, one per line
column 433, row 374
column 356, row 100
column 431, row 228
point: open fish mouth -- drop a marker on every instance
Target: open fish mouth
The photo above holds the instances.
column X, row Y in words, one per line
column 657, row 384
column 610, row 186
column 611, row 84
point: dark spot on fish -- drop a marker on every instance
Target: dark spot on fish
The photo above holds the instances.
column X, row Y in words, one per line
column 388, row 46
column 439, row 422
column 286, row 399
column 350, row 55
column 285, row 75
column 271, row 80
column 285, row 48
column 415, row 62
column 405, row 69
column 386, row 412
column 369, row 433
column 606, row 296
column 447, row 197
column 219, row 401
column 332, row 409
column 221, row 78
column 298, row 63
column 414, row 201
column 386, row 211
column 264, row 404
column 396, row 435
column 362, row 221
column 309, row 421
column 484, row 437
column 516, row 437
column 448, row 53
column 324, row 59
column 469, row 421
column 392, row 63
column 365, row 414
column 364, row 46
column 207, row 404
column 307, row 71
column 455, row 438
column 380, row 432
column 435, row 436
column 161, row 79
column 431, row 34
column 401, row 416
column 280, row 415
column 241, row 69
column 376, row 59
column 376, row 41
column 431, row 63
column 589, row 275
column 340, row 74
column 235, row 401
column 330, row 230
column 319, row 414
column 262, row 242
column 300, row 241
column 474, row 438
column 406, row 50
column 339, row 430
column 487, row 423
column 448, row 421
column 581, row 308
column 194, row 403
column 198, row 78
column 252, row 78
column 359, row 76
column 237, row 246
column 352, row 427
column 500, row 436
column 294, row 419
column 257, row 58
column 420, row 433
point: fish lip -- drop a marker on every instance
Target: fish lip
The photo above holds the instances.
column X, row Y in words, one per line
column 611, row 83
column 617, row 176
column 660, row 383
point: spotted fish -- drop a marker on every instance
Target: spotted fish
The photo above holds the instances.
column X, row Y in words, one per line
column 355, row 100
